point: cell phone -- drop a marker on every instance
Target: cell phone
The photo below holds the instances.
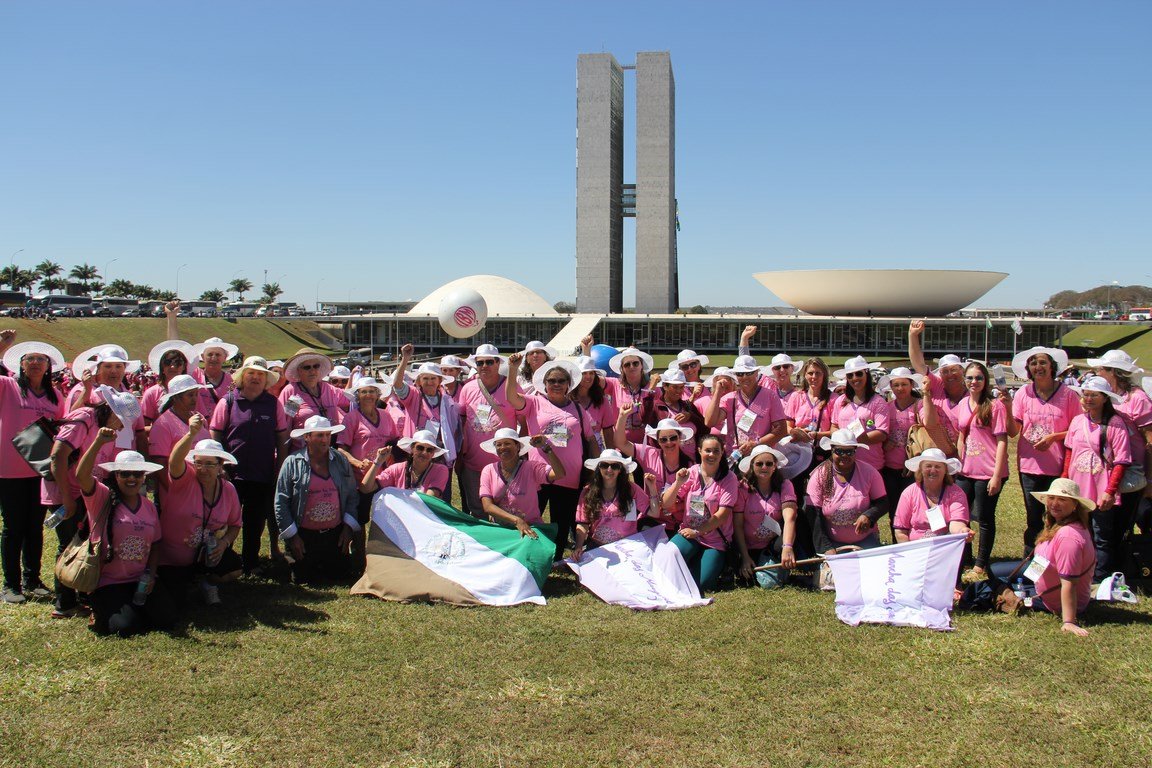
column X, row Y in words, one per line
column 999, row 376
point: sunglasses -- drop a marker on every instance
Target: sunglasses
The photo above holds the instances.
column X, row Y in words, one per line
column 41, row 359
column 423, row 449
column 669, row 439
column 309, row 367
column 844, row 451
column 782, row 367
column 131, row 473
column 856, row 375
column 633, row 364
column 742, row 374
column 484, row 363
column 615, row 467
column 763, row 464
column 175, row 361
column 556, row 382
column 690, row 366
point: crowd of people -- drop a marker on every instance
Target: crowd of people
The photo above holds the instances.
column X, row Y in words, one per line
column 748, row 470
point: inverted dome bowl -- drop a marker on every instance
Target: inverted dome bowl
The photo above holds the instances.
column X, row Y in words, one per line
column 880, row 292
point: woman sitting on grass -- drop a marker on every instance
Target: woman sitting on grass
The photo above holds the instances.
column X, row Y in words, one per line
column 845, row 497
column 765, row 522
column 709, row 494
column 1065, row 554
column 611, row 505
column 933, row 505
column 510, row 486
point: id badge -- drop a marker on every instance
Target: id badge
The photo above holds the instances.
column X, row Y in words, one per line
column 856, row 428
column 746, row 421
column 484, row 414
column 697, row 510
column 559, row 436
column 433, row 426
column 631, row 516
column 1036, row 568
column 936, row 519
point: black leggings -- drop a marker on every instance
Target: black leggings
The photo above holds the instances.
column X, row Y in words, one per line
column 982, row 508
column 113, row 611
column 561, row 503
column 23, row 536
column 257, row 502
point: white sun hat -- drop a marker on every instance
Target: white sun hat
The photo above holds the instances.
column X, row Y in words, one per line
column 673, row 376
column 901, row 372
column 760, row 450
column 130, row 461
column 90, row 359
column 666, row 425
column 1096, row 384
column 782, row 359
column 157, row 353
column 424, row 437
column 1020, row 361
column 339, row 372
column 688, row 355
column 611, row 456
column 316, row 424
column 454, row 361
column 841, row 438
column 230, row 350
column 431, row 369
column 485, row 350
column 1118, row 359
column 18, row 352
column 569, row 368
column 723, row 372
column 936, row 455
column 854, row 364
column 123, row 404
column 211, row 449
column 367, row 382
column 798, row 454
column 588, row 365
column 256, row 363
column 539, row 346
column 946, row 361
column 178, row 385
column 617, row 361
column 746, row 364
column 507, row 433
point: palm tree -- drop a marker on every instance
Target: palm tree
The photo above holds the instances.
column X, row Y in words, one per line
column 85, row 274
column 271, row 292
column 47, row 269
column 10, row 275
column 215, row 295
column 52, row 284
column 240, row 286
column 120, row 287
column 23, row 279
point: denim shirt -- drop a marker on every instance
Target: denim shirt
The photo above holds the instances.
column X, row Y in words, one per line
column 292, row 490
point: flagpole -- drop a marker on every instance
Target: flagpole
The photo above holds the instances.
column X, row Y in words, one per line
column 1015, row 336
column 987, row 327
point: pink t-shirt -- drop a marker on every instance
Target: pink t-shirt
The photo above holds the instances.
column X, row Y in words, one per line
column 563, row 429
column 207, row 398
column 702, row 501
column 764, row 407
column 166, row 432
column 187, row 518
column 326, row 405
column 702, row 404
column 945, row 406
column 322, row 508
column 79, row 434
column 518, row 495
column 601, row 417
column 133, row 534
column 847, row 501
column 980, row 441
column 872, row 414
column 435, row 478
column 150, row 401
column 1088, row 467
column 621, row 395
column 900, row 420
column 758, row 508
column 614, row 523
column 420, row 412
column 1070, row 554
column 481, row 420
column 362, row 438
column 912, row 511
column 1039, row 418
column 16, row 413
column 806, row 413
column 651, row 461
column 1136, row 408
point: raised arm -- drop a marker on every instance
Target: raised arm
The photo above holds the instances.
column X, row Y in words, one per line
column 176, row 467
column 915, row 347
column 556, row 469
column 511, row 391
column 620, row 434
column 87, row 463
column 399, row 386
column 171, row 310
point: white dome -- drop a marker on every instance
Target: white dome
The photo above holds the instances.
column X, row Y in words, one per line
column 503, row 296
column 881, row 292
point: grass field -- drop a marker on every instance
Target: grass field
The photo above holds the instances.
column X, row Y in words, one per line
column 286, row 676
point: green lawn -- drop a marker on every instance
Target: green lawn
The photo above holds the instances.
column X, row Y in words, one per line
column 287, row 676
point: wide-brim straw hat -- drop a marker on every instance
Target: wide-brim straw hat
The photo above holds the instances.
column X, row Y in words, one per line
column 178, row 385
column 486, row 351
column 256, row 363
column 539, row 346
column 574, row 374
column 292, row 364
column 130, row 461
column 230, row 350
column 917, row 379
column 339, row 372
column 123, row 404
column 1020, row 361
column 760, row 450
column 366, row 382
column 17, row 352
column 841, row 438
column 90, row 358
column 1096, row 384
column 454, row 361
column 507, row 433
column 688, row 355
column 617, row 360
column 946, row 361
column 424, row 437
column 723, row 372
column 1119, row 360
column 781, row 360
column 430, row 369
column 316, row 424
column 611, row 456
column 588, row 365
column 936, row 455
column 1067, row 488
column 854, row 364
column 157, row 353
column 667, row 425
column 746, row 364
column 211, row 449
column 673, row 376
column 799, row 455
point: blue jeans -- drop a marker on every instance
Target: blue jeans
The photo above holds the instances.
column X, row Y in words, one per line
column 704, row 563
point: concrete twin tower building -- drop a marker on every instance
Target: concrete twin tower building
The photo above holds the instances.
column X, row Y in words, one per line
column 603, row 200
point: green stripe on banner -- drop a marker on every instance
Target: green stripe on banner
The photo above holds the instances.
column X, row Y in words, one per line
column 534, row 554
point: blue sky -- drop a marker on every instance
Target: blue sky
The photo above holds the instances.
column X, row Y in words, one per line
column 370, row 150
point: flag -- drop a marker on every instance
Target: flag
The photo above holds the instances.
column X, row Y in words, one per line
column 643, row 571
column 988, row 323
column 1019, row 329
column 420, row 548
column 908, row 584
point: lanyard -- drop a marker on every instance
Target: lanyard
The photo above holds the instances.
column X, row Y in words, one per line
column 414, row 482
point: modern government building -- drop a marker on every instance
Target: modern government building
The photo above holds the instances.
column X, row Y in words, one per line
column 833, row 313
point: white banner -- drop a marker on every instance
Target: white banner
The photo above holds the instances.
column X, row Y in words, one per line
column 643, row 571
column 910, row 584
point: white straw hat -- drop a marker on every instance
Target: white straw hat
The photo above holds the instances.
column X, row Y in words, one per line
column 673, row 376
column 1117, row 359
column 539, row 346
column 666, row 425
column 17, row 352
column 507, row 433
column 178, row 385
column 123, row 404
column 256, row 363
column 366, row 382
column 617, row 361
column 799, row 455
column 454, row 361
column 485, row 350
column 688, row 355
column 588, row 365
column 936, row 455
column 130, row 461
column 1096, row 384
column 211, row 449
column 760, row 450
column 316, row 424
column 90, row 359
column 781, row 360
column 230, row 350
column 431, row 369
column 424, row 437
column 901, row 373
column 841, row 438
column 746, row 364
column 723, row 372
column 1067, row 488
column 1020, row 360
column 946, row 361
column 338, row 372
column 854, row 364
column 574, row 374
column 611, row 456
column 292, row 365
column 157, row 353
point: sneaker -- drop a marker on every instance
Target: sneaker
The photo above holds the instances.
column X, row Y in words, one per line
column 39, row 589
column 67, row 613
column 11, row 596
column 210, row 592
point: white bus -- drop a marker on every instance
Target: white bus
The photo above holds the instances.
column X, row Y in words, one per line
column 239, row 309
column 64, row 305
column 199, row 308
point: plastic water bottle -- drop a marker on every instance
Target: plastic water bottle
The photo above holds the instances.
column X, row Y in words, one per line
column 1018, row 588
column 734, row 457
column 292, row 406
column 56, row 517
column 142, row 586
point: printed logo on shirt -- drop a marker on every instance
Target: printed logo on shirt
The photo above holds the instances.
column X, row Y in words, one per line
column 133, row 549
column 1088, row 463
column 323, row 512
column 1036, row 432
column 972, row 448
column 843, row 516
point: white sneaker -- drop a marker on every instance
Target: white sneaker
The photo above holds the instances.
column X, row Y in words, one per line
column 11, row 596
column 210, row 592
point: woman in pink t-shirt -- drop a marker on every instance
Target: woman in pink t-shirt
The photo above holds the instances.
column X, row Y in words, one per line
column 124, row 525
column 419, row 473
column 861, row 411
column 933, row 505
column 752, row 414
column 671, row 403
column 176, row 408
column 596, row 402
column 510, row 486
column 25, row 396
column 1066, row 555
column 611, row 505
column 765, row 516
column 983, row 423
column 1098, row 454
column 904, row 410
column 845, row 497
column 168, row 360
column 662, row 455
column 809, row 413
column 709, row 494
column 633, row 367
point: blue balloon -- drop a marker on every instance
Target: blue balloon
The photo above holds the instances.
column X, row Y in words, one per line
column 602, row 353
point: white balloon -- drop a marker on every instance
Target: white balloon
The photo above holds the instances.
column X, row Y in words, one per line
column 463, row 313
